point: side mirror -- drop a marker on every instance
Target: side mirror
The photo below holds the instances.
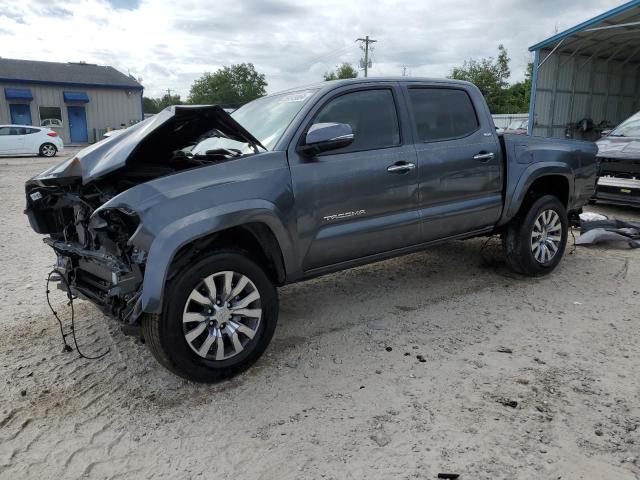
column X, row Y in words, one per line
column 322, row 137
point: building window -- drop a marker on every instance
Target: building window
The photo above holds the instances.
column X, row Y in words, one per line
column 50, row 117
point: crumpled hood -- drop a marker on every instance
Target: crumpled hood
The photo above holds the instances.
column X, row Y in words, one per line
column 112, row 153
column 619, row 147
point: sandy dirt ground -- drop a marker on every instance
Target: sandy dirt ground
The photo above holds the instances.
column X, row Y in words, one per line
column 440, row 361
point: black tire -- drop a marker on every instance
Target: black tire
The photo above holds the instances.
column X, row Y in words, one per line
column 517, row 239
column 48, row 150
column 164, row 334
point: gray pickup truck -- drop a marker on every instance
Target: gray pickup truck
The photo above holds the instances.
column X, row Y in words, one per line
column 183, row 225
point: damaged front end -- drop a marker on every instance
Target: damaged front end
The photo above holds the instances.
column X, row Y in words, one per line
column 101, row 244
column 93, row 248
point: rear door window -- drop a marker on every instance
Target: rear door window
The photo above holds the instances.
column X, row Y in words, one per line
column 442, row 113
column 371, row 114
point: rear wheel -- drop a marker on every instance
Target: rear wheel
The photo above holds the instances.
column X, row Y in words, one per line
column 536, row 239
column 219, row 317
column 48, row 150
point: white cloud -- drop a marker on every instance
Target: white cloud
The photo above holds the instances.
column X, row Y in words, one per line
column 169, row 44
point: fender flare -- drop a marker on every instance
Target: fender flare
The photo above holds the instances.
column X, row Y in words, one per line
column 515, row 198
column 200, row 224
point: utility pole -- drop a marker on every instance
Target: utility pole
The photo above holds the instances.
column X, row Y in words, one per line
column 367, row 63
column 169, row 93
column 404, row 70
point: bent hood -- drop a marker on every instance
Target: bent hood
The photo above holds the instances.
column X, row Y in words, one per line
column 619, row 147
column 173, row 125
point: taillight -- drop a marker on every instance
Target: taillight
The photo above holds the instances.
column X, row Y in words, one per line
column 52, row 134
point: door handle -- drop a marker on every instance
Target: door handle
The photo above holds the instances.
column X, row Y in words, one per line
column 483, row 157
column 401, row 167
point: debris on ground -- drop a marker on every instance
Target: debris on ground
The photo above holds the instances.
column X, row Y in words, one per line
column 508, row 402
column 381, row 439
column 450, row 476
column 504, row 350
column 608, row 230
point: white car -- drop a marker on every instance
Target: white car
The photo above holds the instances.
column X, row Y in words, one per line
column 29, row 140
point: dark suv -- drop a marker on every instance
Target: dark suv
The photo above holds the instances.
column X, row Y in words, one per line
column 183, row 226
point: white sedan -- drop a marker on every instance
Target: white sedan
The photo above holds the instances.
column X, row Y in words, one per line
column 29, row 140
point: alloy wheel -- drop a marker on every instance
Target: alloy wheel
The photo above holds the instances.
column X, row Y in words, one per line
column 48, row 150
column 546, row 236
column 222, row 315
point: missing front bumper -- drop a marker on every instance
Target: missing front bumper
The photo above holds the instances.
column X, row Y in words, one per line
column 110, row 283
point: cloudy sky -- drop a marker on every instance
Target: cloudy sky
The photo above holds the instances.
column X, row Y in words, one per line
column 169, row 43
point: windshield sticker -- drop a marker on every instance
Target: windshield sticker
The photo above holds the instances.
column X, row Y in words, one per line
column 294, row 97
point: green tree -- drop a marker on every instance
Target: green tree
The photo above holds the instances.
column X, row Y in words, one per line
column 519, row 94
column 346, row 70
column 168, row 100
column 149, row 105
column 229, row 87
column 154, row 105
column 490, row 75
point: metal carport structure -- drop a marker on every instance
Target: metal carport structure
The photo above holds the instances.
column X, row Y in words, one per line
column 589, row 71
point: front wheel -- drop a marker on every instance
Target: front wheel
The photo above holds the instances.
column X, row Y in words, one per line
column 48, row 150
column 535, row 240
column 218, row 318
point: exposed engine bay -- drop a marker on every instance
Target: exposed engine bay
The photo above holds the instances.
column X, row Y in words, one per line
column 92, row 244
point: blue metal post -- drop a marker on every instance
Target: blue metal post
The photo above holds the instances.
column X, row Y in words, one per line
column 534, row 85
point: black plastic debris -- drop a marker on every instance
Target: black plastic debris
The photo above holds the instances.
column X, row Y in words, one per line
column 593, row 231
column 451, row 476
column 508, row 403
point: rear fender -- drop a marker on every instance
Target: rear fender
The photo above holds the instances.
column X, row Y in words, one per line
column 517, row 194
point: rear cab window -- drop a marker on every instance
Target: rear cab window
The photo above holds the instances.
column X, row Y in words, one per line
column 442, row 113
column 371, row 114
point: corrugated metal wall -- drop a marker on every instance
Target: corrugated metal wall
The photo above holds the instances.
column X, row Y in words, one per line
column 572, row 88
column 107, row 108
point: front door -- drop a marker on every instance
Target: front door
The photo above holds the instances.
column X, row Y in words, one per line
column 78, row 124
column 459, row 163
column 20, row 113
column 352, row 204
column 11, row 140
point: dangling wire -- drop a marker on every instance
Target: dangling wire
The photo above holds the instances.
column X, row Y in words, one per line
column 574, row 241
column 67, row 347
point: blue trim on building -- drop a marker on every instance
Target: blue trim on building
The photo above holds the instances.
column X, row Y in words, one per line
column 615, row 11
column 18, row 94
column 70, row 84
column 81, row 97
column 142, row 105
column 534, row 87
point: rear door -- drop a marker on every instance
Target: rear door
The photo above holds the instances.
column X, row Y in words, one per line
column 460, row 172
column 32, row 140
column 359, row 200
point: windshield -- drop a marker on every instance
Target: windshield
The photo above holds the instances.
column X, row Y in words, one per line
column 629, row 128
column 265, row 118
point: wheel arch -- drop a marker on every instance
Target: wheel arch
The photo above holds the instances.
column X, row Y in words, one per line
column 257, row 230
column 551, row 179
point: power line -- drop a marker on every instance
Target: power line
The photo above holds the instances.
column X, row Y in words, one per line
column 328, row 54
column 367, row 63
